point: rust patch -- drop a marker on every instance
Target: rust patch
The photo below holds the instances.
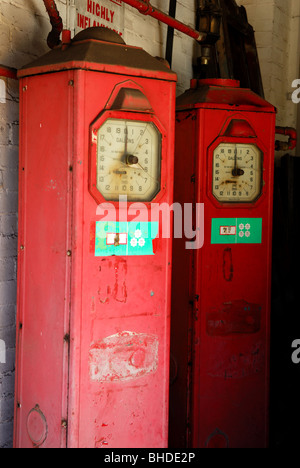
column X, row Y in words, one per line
column 124, row 356
column 236, row 317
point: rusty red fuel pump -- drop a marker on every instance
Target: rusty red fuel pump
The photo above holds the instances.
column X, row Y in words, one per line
column 224, row 160
column 92, row 362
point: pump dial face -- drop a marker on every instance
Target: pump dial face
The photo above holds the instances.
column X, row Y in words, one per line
column 237, row 173
column 128, row 160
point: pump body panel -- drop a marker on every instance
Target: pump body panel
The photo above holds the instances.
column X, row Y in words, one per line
column 93, row 315
column 221, row 312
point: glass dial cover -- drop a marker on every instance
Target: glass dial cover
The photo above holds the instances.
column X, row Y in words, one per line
column 237, row 173
column 128, row 160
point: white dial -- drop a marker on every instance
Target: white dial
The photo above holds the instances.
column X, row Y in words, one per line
column 237, row 173
column 128, row 160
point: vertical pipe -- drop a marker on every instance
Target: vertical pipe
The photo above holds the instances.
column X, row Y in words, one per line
column 170, row 36
column 53, row 39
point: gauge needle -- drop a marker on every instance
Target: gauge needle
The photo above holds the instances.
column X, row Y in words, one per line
column 236, row 171
column 141, row 136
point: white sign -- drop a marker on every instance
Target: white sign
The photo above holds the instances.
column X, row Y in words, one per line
column 107, row 13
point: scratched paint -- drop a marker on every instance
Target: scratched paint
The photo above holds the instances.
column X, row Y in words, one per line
column 113, row 286
column 123, row 357
column 240, row 365
column 228, row 269
column 120, row 288
column 236, row 317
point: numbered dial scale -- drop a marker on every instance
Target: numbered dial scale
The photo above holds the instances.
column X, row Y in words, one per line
column 237, row 173
column 128, row 159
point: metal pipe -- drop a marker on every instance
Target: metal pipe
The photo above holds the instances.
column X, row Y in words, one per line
column 7, row 72
column 53, row 39
column 292, row 142
column 145, row 7
column 170, row 35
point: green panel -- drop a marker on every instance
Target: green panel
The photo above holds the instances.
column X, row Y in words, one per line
column 236, row 231
column 125, row 239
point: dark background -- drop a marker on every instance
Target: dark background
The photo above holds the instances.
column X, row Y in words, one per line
column 285, row 315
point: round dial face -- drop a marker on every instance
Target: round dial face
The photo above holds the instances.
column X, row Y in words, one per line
column 128, row 160
column 237, row 173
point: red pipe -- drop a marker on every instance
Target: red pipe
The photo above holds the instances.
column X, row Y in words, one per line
column 291, row 144
column 7, row 72
column 53, row 39
column 144, row 7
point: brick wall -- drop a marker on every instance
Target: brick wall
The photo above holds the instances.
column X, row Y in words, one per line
column 277, row 26
column 24, row 27
column 8, row 249
column 146, row 32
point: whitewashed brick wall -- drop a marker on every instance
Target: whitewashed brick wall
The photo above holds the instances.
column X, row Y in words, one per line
column 8, row 250
column 277, row 27
column 24, row 26
column 148, row 33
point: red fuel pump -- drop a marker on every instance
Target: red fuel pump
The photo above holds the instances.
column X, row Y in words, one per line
column 93, row 322
column 224, row 159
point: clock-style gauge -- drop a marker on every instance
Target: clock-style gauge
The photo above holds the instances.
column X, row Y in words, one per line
column 128, row 160
column 237, row 173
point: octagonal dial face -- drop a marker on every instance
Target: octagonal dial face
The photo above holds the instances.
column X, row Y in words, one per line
column 128, row 160
column 237, row 173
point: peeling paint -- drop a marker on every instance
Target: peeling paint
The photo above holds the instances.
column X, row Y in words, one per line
column 124, row 356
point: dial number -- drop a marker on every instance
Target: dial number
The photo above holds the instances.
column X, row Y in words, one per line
column 237, row 173
column 128, row 160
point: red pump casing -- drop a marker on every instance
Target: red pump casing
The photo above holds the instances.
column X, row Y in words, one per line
column 221, row 292
column 93, row 331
